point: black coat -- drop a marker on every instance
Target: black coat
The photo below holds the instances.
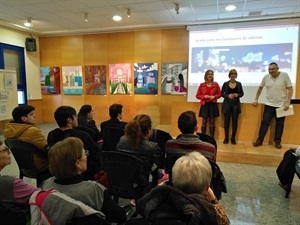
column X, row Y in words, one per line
column 225, row 94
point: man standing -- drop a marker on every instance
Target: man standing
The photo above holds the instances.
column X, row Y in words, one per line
column 188, row 140
column 279, row 93
column 23, row 128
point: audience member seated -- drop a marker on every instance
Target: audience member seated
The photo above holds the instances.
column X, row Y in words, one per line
column 23, row 128
column 86, row 119
column 13, row 190
column 191, row 200
column 67, row 162
column 188, row 140
column 116, row 114
column 66, row 119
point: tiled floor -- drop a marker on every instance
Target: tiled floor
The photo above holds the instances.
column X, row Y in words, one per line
column 254, row 196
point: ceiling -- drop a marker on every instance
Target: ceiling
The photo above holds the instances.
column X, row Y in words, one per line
column 62, row 17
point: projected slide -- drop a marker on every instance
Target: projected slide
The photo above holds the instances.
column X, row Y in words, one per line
column 248, row 50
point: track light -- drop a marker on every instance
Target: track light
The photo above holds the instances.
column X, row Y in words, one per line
column 128, row 13
column 177, row 8
column 86, row 17
column 28, row 23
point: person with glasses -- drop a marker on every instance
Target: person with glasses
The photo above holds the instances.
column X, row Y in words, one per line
column 232, row 91
column 12, row 189
column 67, row 163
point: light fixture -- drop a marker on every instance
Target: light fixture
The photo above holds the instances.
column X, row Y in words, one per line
column 230, row 7
column 177, row 8
column 86, row 17
column 128, row 13
column 117, row 18
column 28, row 23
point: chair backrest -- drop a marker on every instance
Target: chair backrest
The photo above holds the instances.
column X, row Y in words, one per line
column 23, row 153
column 91, row 132
column 128, row 175
column 160, row 137
column 111, row 137
column 207, row 138
column 12, row 213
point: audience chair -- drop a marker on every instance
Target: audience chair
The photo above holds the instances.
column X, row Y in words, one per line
column 23, row 153
column 160, row 137
column 218, row 183
column 12, row 213
column 207, row 138
column 111, row 137
column 128, row 176
column 91, row 132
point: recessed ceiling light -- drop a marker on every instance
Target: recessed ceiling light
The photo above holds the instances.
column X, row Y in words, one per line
column 28, row 23
column 117, row 18
column 230, row 7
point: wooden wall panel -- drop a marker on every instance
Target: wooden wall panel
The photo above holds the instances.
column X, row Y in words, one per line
column 120, row 47
column 166, row 107
column 76, row 101
column 128, row 105
column 72, row 50
column 38, row 105
column 50, row 104
column 100, row 105
column 50, row 51
column 95, row 49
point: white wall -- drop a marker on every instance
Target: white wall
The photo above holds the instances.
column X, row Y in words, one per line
column 32, row 59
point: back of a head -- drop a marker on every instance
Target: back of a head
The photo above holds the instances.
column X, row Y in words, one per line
column 83, row 114
column 136, row 129
column 192, row 173
column 20, row 111
column 115, row 110
column 62, row 114
column 62, row 157
column 187, row 122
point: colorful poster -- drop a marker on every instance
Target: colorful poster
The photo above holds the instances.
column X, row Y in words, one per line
column 50, row 80
column 95, row 80
column 174, row 78
column 145, row 78
column 72, row 80
column 120, row 78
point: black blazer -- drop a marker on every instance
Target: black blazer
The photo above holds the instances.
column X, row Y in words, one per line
column 113, row 122
column 225, row 94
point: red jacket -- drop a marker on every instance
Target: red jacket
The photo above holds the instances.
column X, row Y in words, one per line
column 203, row 90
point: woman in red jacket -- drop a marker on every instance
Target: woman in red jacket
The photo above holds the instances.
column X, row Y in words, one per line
column 208, row 93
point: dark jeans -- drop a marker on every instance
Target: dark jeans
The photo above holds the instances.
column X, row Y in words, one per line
column 269, row 113
column 233, row 112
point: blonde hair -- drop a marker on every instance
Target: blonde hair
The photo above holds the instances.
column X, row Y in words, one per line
column 63, row 156
column 192, row 173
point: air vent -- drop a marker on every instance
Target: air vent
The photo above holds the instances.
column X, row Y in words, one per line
column 255, row 13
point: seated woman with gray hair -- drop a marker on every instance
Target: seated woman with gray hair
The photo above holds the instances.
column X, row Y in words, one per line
column 67, row 162
column 191, row 200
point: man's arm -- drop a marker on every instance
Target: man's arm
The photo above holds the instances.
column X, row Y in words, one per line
column 255, row 103
column 289, row 97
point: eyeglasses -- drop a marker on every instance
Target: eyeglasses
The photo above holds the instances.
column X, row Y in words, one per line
column 6, row 149
column 86, row 152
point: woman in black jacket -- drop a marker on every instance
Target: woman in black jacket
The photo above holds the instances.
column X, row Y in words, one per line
column 232, row 91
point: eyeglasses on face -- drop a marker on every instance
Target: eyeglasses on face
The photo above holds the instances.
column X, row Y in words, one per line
column 6, row 149
column 86, row 152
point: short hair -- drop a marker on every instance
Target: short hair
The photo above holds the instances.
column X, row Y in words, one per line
column 187, row 122
column 192, row 173
column 232, row 71
column 83, row 114
column 20, row 111
column 62, row 157
column 62, row 114
column 274, row 63
column 136, row 129
column 206, row 74
column 114, row 110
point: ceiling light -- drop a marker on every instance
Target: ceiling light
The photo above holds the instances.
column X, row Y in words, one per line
column 177, row 8
column 230, row 7
column 117, row 18
column 28, row 23
column 128, row 13
column 86, row 17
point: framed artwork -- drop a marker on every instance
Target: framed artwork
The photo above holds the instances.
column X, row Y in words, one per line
column 120, row 78
column 50, row 80
column 95, row 80
column 72, row 80
column 174, row 78
column 145, row 78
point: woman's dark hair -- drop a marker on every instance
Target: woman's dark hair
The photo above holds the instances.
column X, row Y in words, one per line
column 136, row 129
column 83, row 114
column 181, row 79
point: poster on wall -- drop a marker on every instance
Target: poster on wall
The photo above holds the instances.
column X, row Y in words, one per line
column 50, row 80
column 95, row 80
column 3, row 109
column 174, row 78
column 8, row 81
column 120, row 78
column 4, row 96
column 72, row 80
column 145, row 78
